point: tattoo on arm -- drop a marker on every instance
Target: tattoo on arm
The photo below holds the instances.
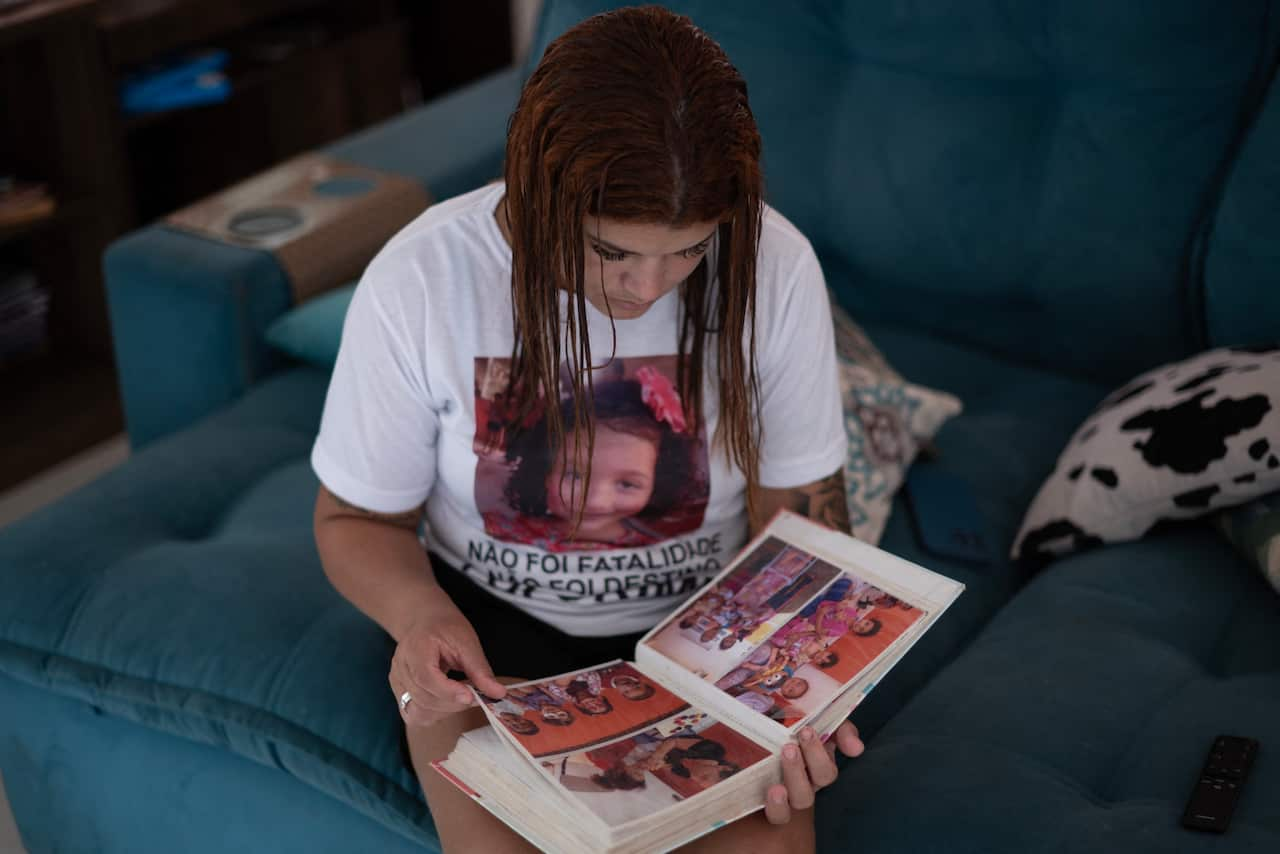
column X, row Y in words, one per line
column 823, row 501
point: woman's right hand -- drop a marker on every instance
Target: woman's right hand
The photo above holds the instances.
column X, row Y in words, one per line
column 438, row 640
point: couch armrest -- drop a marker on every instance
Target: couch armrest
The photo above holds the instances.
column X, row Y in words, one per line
column 188, row 313
column 187, row 317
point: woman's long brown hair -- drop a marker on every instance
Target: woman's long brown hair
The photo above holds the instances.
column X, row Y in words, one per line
column 635, row 115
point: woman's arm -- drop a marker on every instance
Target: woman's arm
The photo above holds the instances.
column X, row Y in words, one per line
column 375, row 561
column 823, row 501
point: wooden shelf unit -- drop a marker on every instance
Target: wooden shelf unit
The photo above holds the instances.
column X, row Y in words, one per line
column 61, row 65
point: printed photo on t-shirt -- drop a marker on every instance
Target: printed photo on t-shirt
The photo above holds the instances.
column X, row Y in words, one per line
column 648, row 472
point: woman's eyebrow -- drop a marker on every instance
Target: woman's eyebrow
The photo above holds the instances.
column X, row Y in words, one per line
column 604, row 244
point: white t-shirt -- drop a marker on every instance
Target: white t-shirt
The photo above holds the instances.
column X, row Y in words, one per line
column 415, row 411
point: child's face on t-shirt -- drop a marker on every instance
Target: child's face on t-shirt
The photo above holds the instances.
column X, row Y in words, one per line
column 622, row 480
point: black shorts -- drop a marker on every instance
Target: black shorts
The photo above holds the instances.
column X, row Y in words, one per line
column 521, row 646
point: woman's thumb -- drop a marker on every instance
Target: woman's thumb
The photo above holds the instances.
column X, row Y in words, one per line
column 477, row 668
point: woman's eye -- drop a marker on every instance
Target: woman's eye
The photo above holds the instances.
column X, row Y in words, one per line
column 606, row 254
column 695, row 251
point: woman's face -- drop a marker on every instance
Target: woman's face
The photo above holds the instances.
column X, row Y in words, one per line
column 630, row 266
column 622, row 475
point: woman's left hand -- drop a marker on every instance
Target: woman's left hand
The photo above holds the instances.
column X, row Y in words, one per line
column 806, row 768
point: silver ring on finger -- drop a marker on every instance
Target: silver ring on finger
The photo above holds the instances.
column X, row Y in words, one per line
column 405, row 699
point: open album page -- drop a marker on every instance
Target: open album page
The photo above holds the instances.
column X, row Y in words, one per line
column 485, row 767
column 787, row 630
column 617, row 743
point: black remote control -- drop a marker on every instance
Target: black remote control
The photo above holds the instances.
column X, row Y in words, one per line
column 1216, row 792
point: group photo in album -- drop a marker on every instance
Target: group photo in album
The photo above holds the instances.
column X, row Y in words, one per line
column 649, row 769
column 578, row 710
column 763, row 637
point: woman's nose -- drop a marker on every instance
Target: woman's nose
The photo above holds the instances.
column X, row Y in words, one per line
column 647, row 280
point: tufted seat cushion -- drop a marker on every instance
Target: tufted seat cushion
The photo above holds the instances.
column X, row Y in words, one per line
column 186, row 595
column 1014, row 423
column 1081, row 715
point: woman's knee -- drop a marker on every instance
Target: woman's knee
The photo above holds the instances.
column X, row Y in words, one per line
column 461, row 824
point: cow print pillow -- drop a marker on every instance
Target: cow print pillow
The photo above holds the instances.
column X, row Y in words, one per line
column 1178, row 442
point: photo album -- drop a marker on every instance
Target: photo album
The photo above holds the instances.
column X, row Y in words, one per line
column 650, row 754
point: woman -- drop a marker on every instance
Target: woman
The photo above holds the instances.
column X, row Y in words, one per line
column 629, row 232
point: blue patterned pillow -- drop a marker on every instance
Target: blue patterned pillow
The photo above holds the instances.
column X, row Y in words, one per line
column 886, row 419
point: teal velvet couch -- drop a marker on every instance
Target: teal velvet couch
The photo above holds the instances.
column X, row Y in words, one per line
column 1024, row 203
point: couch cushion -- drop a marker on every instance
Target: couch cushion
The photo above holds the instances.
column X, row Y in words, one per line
column 183, row 591
column 1024, row 179
column 312, row 331
column 1241, row 283
column 80, row 780
column 1080, row 717
column 1014, row 422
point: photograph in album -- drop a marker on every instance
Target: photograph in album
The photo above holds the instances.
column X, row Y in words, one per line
column 577, row 710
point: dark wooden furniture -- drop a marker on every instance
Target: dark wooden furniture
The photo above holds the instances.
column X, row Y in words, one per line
column 58, row 128
column 303, row 73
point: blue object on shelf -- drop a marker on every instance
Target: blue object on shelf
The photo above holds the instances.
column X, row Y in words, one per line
column 192, row 81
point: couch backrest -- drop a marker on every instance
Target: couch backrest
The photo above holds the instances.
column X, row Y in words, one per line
column 1021, row 176
column 1241, row 273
